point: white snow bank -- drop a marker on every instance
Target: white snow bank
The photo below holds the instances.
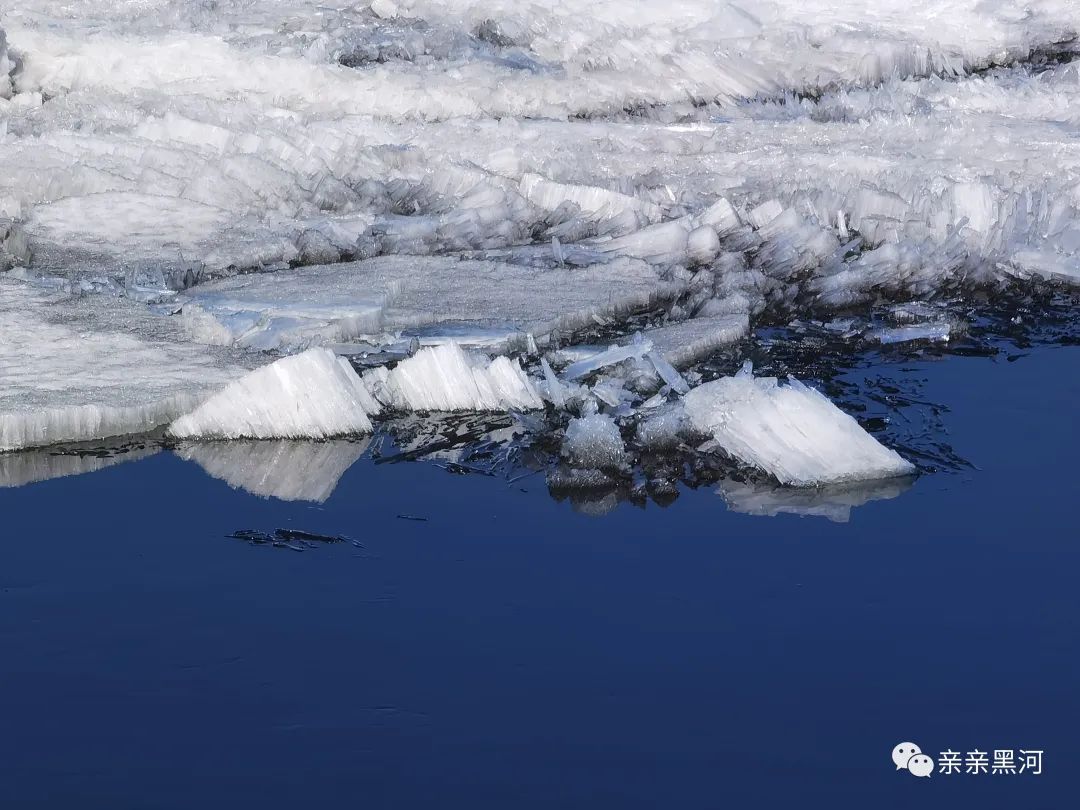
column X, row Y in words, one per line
column 445, row 378
column 313, row 395
column 286, row 470
column 792, row 432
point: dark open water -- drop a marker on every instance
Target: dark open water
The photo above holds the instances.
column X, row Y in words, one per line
column 511, row 652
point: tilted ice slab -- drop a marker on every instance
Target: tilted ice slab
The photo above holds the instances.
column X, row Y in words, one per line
column 312, row 395
column 446, row 378
column 792, row 432
column 286, row 470
column 333, row 303
column 686, row 342
column 74, row 369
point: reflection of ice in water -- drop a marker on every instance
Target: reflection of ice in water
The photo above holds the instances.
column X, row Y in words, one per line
column 287, row 470
column 834, row 503
column 32, row 466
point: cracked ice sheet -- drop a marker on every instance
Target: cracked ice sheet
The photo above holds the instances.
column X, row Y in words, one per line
column 416, row 295
column 75, row 370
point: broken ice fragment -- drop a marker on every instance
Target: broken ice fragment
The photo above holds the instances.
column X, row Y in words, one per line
column 667, row 373
column 937, row 332
column 792, row 432
column 608, row 357
column 594, row 442
column 310, row 395
column 445, row 378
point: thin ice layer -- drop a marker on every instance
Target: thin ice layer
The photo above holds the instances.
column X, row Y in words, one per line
column 313, row 395
column 77, row 369
column 792, row 432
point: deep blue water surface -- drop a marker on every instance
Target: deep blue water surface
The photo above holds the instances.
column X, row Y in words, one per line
column 510, row 652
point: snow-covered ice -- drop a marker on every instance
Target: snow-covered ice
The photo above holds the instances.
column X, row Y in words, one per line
column 792, row 431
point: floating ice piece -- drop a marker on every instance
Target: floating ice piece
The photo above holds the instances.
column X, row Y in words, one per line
column 684, row 343
column 286, row 470
column 313, row 395
column 79, row 369
column 663, row 430
column 936, row 332
column 792, row 432
column 594, row 442
column 608, row 357
column 667, row 373
column 445, row 378
column 556, row 391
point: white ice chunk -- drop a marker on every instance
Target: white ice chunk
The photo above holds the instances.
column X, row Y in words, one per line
column 667, row 373
column 556, row 391
column 596, row 203
column 608, row 357
column 934, row 332
column 445, row 378
column 765, row 213
column 702, row 245
column 792, row 432
column 594, row 442
column 311, row 395
column 663, row 430
column 684, row 343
